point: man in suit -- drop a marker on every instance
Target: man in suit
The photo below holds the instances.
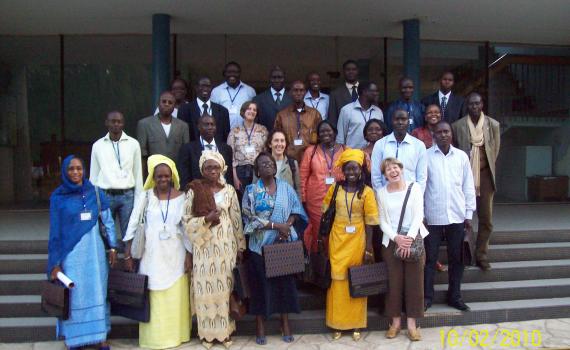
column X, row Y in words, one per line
column 233, row 92
column 344, row 94
column 272, row 100
column 161, row 133
column 451, row 105
column 191, row 112
column 189, row 155
column 479, row 136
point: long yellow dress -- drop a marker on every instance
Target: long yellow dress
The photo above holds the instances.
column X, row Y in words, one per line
column 346, row 250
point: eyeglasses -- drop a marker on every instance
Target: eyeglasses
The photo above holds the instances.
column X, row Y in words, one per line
column 266, row 164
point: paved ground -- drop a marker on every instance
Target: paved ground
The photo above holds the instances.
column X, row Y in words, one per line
column 538, row 334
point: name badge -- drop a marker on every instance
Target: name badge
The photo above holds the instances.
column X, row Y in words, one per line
column 85, row 216
column 298, row 142
column 411, row 121
column 250, row 149
column 350, row 229
column 233, row 110
column 163, row 235
column 329, row 180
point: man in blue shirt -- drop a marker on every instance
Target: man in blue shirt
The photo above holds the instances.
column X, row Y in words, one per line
column 314, row 97
column 406, row 102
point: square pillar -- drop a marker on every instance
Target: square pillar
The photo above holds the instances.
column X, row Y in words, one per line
column 412, row 53
column 160, row 55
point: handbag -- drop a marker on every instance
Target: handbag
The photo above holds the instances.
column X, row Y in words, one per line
column 139, row 240
column 238, row 308
column 283, row 258
column 128, row 294
column 466, row 251
column 241, row 281
column 367, row 280
column 102, row 227
column 327, row 219
column 321, row 268
column 55, row 299
column 417, row 247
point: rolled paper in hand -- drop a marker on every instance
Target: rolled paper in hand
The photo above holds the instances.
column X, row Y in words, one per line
column 65, row 280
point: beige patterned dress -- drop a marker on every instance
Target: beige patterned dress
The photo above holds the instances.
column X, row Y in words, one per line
column 214, row 257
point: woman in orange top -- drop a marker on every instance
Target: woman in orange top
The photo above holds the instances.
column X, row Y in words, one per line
column 317, row 176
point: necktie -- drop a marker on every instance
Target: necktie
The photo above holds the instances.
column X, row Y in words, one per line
column 278, row 98
column 204, row 109
column 443, row 105
column 209, row 147
column 354, row 93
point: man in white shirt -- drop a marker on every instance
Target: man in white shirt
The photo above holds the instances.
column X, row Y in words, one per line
column 116, row 168
column 354, row 116
column 314, row 97
column 449, row 203
column 232, row 93
column 402, row 146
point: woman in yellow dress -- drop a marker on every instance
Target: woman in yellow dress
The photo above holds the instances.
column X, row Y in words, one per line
column 350, row 243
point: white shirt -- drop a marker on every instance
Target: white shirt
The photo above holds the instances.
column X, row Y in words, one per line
column 232, row 99
column 351, row 121
column 281, row 94
column 390, row 207
column 106, row 172
column 450, row 193
column 163, row 259
column 166, row 128
column 201, row 106
column 206, row 143
column 321, row 103
column 411, row 152
column 174, row 113
column 441, row 94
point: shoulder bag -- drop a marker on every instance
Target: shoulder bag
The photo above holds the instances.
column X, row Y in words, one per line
column 102, row 228
column 139, row 240
column 417, row 247
column 327, row 219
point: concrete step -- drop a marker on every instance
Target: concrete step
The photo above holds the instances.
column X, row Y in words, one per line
column 27, row 329
column 24, row 284
column 23, row 263
column 23, row 247
column 522, row 252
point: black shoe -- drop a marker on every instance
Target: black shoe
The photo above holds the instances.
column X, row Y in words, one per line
column 427, row 305
column 459, row 305
column 484, row 265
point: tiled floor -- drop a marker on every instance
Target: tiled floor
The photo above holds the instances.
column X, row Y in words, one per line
column 538, row 334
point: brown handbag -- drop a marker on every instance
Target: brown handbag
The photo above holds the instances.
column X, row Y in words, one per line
column 367, row 280
column 241, row 281
column 55, row 299
column 282, row 259
column 128, row 294
column 238, row 308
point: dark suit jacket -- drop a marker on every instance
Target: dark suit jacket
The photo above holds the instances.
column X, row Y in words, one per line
column 268, row 108
column 190, row 113
column 189, row 159
column 454, row 110
column 339, row 98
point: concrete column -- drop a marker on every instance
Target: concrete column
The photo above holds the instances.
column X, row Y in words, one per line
column 160, row 55
column 412, row 53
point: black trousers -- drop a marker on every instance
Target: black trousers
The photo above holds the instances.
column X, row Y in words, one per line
column 454, row 234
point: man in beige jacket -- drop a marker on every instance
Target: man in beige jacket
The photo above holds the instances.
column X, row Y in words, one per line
column 479, row 136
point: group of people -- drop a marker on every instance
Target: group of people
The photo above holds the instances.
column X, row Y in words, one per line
column 231, row 171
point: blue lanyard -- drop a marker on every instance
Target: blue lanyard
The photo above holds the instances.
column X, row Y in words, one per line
column 230, row 96
column 165, row 216
column 364, row 114
column 318, row 101
column 117, row 153
column 349, row 209
column 329, row 165
column 249, row 133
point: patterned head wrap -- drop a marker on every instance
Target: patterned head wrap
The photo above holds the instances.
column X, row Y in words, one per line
column 217, row 157
column 155, row 160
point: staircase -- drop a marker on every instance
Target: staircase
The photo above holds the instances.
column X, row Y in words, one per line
column 530, row 279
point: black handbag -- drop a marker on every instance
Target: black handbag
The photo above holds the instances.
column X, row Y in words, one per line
column 128, row 294
column 327, row 219
column 55, row 299
column 320, row 265
column 283, row 258
column 367, row 280
column 417, row 248
column 241, row 281
column 466, row 251
column 102, row 228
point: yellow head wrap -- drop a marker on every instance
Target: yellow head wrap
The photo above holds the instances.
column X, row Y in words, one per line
column 152, row 162
column 350, row 155
column 217, row 157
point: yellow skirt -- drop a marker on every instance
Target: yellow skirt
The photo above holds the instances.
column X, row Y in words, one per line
column 170, row 322
column 343, row 311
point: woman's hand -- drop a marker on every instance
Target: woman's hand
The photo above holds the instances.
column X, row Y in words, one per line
column 404, row 252
column 403, row 242
column 213, row 217
column 53, row 274
column 188, row 262
column 129, row 264
column 284, row 231
column 368, row 256
column 237, row 183
column 112, row 257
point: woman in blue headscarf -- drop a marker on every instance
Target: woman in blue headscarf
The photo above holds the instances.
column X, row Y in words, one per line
column 76, row 248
